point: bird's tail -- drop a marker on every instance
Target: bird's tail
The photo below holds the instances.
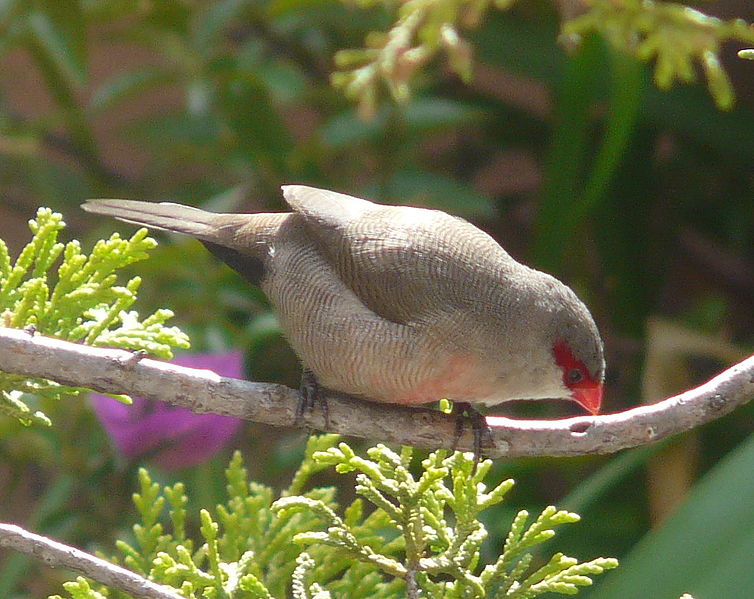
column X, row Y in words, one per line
column 242, row 241
column 164, row 216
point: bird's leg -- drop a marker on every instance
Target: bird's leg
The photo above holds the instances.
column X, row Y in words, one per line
column 311, row 395
column 464, row 412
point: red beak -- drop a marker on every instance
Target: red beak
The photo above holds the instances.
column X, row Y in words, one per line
column 589, row 398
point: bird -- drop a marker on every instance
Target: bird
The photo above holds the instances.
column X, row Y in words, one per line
column 399, row 304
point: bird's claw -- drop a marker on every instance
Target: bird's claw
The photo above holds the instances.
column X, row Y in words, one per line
column 311, row 396
column 466, row 412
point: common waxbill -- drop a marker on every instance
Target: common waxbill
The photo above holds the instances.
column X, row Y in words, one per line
column 399, row 304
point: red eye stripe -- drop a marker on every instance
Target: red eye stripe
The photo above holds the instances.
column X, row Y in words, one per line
column 587, row 392
column 567, row 361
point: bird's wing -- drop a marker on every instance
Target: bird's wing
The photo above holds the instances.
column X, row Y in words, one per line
column 405, row 264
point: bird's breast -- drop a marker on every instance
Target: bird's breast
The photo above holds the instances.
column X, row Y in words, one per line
column 458, row 377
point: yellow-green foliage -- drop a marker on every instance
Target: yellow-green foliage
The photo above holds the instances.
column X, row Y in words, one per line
column 80, row 302
column 673, row 35
column 404, row 532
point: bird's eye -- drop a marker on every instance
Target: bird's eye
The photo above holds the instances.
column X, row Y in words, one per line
column 575, row 376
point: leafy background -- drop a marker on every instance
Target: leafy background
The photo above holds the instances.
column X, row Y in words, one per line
column 641, row 199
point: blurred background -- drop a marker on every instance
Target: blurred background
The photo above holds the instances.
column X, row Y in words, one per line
column 640, row 199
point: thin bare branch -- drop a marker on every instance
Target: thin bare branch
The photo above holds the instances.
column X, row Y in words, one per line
column 118, row 371
column 59, row 555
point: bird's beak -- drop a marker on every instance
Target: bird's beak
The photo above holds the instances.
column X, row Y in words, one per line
column 590, row 398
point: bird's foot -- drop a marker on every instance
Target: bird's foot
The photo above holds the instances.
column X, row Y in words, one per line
column 311, row 396
column 465, row 412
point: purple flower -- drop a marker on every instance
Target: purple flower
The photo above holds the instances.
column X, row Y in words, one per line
column 172, row 437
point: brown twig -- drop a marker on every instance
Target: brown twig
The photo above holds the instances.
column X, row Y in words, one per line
column 58, row 555
column 113, row 371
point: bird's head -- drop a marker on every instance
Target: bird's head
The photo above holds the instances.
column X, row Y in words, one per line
column 576, row 354
column 583, row 383
column 543, row 343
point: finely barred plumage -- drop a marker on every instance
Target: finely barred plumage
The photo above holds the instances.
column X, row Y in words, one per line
column 398, row 304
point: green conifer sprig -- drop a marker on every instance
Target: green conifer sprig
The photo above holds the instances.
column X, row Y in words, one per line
column 423, row 28
column 245, row 551
column 429, row 533
column 80, row 302
column 675, row 36
column 439, row 533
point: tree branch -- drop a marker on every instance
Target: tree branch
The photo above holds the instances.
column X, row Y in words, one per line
column 119, row 371
column 59, row 555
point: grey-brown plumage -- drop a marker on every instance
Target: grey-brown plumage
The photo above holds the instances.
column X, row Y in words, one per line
column 399, row 304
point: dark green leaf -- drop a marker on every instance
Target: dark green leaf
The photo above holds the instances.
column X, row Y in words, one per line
column 284, row 82
column 422, row 116
column 691, row 112
column 601, row 482
column 171, row 15
column 346, row 129
column 278, row 8
column 125, row 85
column 563, row 176
column 567, row 203
column 60, row 31
column 172, row 131
column 525, row 46
column 423, row 188
column 260, row 132
column 215, row 20
column 704, row 549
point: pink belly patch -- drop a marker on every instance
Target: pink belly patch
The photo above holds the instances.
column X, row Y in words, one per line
column 460, row 380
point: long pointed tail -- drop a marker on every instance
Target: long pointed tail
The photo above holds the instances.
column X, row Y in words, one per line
column 164, row 216
column 242, row 241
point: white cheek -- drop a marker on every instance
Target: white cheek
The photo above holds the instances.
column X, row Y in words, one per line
column 530, row 377
column 544, row 374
